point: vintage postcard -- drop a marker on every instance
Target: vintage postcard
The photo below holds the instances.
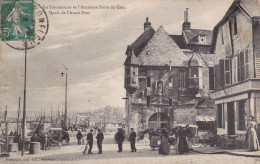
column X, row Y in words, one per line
column 130, row 81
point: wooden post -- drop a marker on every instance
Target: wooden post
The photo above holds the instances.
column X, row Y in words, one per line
column 24, row 96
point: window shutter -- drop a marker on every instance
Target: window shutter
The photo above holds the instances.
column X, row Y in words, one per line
column 222, row 73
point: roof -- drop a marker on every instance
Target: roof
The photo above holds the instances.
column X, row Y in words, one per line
column 251, row 8
column 131, row 59
column 194, row 61
column 205, row 118
column 161, row 50
column 141, row 41
column 191, row 36
column 178, row 39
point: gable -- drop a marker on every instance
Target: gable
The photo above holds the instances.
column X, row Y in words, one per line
column 161, row 50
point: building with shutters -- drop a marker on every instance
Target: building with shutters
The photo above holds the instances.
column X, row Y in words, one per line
column 167, row 78
column 236, row 45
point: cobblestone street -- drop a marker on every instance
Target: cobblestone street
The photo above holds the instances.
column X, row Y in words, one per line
column 73, row 153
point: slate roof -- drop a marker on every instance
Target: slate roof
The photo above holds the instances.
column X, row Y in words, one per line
column 141, row 41
column 178, row 39
column 191, row 36
column 160, row 50
column 131, row 59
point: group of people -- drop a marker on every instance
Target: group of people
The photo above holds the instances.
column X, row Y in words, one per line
column 90, row 139
column 182, row 136
column 120, row 137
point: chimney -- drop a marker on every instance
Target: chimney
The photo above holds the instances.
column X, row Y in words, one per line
column 147, row 23
column 186, row 24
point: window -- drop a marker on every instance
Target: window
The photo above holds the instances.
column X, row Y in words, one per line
column 233, row 26
column 134, row 73
column 148, row 99
column 243, row 65
column 211, row 78
column 222, row 35
column 241, row 115
column 194, row 72
column 181, row 77
column 170, row 83
column 220, row 116
column 194, row 79
column 148, row 81
column 227, row 71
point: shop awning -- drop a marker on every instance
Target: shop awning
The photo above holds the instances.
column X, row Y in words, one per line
column 205, row 118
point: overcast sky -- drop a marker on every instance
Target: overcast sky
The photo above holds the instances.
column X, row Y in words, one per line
column 93, row 48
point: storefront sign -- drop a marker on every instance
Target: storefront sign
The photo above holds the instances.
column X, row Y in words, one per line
column 231, row 90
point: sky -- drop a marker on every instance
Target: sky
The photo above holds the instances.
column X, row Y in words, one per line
column 93, row 47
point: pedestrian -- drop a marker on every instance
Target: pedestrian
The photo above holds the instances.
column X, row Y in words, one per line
column 188, row 134
column 90, row 141
column 182, row 143
column 11, row 133
column 42, row 141
column 33, row 138
column 120, row 139
column 99, row 137
column 164, row 148
column 132, row 140
column 79, row 136
column 252, row 140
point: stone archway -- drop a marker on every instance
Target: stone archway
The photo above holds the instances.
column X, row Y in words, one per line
column 159, row 120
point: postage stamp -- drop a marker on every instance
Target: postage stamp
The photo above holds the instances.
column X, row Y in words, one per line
column 39, row 31
column 17, row 20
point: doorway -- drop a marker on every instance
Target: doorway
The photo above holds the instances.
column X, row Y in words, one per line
column 231, row 118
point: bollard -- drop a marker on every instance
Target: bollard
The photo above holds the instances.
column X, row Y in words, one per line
column 13, row 147
column 34, row 148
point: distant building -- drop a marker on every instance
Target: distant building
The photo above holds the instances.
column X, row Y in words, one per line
column 167, row 78
column 236, row 44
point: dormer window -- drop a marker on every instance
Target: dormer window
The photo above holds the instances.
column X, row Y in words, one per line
column 202, row 38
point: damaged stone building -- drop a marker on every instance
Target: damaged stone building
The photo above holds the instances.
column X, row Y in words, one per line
column 168, row 79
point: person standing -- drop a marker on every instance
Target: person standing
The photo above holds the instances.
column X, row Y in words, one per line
column 79, row 136
column 99, row 137
column 252, row 140
column 164, row 147
column 182, row 143
column 120, row 139
column 132, row 140
column 90, row 141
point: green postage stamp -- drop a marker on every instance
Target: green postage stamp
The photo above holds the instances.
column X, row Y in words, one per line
column 17, row 20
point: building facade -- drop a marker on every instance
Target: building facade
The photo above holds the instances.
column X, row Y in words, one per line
column 167, row 78
column 236, row 45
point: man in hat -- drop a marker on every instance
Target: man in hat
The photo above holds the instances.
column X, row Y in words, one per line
column 120, row 139
column 99, row 137
column 132, row 140
column 90, row 141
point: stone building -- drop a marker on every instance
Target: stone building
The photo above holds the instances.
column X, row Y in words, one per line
column 167, row 78
column 236, row 45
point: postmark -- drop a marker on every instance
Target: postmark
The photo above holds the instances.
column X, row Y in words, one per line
column 40, row 30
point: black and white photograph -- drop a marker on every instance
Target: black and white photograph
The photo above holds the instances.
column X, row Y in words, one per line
column 130, row 81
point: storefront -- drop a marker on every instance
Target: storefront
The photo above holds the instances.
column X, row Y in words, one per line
column 234, row 105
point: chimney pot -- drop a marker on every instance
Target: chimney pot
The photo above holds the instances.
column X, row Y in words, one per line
column 147, row 23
